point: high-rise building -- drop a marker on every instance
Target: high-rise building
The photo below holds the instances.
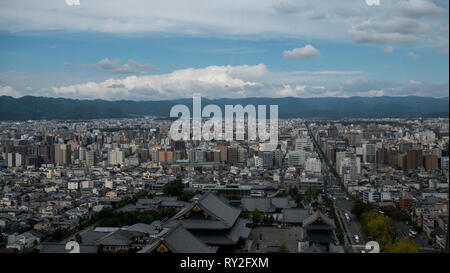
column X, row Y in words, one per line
column 431, row 162
column 242, row 155
column 414, row 159
column 296, row 159
column 90, row 158
column 277, row 158
column 15, row 159
column 302, row 144
column 267, row 158
column 369, row 153
column 62, row 154
column 232, row 155
column 115, row 157
column 165, row 156
column 313, row 164
column 223, row 152
column 393, row 158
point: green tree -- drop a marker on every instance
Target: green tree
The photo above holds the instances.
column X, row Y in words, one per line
column 173, row 188
column 256, row 216
column 403, row 245
column 245, row 214
column 311, row 194
column 78, row 238
column 268, row 220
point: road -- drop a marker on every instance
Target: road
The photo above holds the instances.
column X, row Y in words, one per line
column 72, row 237
column 342, row 205
column 402, row 230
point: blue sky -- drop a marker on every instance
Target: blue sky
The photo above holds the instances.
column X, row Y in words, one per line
column 259, row 48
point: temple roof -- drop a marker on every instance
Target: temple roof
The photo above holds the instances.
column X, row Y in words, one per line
column 317, row 215
column 176, row 239
column 120, row 237
column 217, row 214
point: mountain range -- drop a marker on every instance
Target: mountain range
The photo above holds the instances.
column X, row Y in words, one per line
column 37, row 108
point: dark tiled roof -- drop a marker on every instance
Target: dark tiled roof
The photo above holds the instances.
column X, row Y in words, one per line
column 178, row 240
column 294, row 215
column 262, row 204
column 120, row 237
column 90, row 237
column 267, row 204
column 153, row 228
column 316, row 215
column 224, row 214
column 225, row 237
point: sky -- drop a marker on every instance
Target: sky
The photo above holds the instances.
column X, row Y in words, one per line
column 158, row 50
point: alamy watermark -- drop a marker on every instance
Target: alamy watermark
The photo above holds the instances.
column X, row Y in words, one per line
column 236, row 116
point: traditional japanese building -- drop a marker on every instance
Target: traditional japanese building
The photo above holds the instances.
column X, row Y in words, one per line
column 318, row 231
column 214, row 222
column 173, row 238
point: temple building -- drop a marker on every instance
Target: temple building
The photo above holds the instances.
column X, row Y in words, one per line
column 318, row 232
column 173, row 238
column 215, row 222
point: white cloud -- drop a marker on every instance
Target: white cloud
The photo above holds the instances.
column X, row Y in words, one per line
column 73, row 2
column 418, row 8
column 398, row 30
column 250, row 19
column 285, row 7
column 388, row 49
column 306, row 52
column 241, row 81
column 116, row 66
column 9, row 91
column 373, row 2
column 211, row 82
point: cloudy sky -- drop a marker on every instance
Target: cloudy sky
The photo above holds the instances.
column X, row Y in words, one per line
column 153, row 50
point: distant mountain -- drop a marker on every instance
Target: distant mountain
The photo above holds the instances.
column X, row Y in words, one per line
column 35, row 108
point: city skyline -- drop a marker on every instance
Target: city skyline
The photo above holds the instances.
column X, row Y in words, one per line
column 177, row 49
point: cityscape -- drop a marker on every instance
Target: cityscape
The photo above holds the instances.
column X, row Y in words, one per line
column 239, row 129
column 122, row 185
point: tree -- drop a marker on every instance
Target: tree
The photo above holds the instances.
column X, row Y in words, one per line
column 311, row 194
column 256, row 216
column 378, row 227
column 186, row 196
column 404, row 245
column 245, row 214
column 78, row 238
column 293, row 192
column 359, row 208
column 173, row 188
column 268, row 220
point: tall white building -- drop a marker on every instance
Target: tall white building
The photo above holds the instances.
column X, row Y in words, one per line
column 115, row 157
column 313, row 165
column 15, row 159
column 302, row 144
